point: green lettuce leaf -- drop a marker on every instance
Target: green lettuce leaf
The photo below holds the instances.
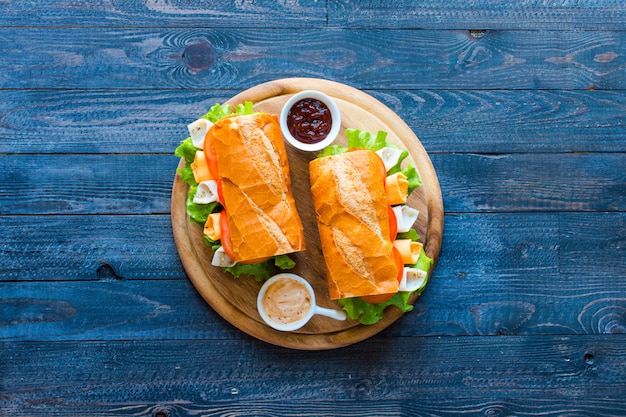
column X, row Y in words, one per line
column 284, row 262
column 260, row 271
column 411, row 234
column 362, row 139
column 367, row 313
column 332, row 150
column 359, row 139
column 198, row 212
column 219, row 111
column 186, row 150
column 413, row 177
column 264, row 270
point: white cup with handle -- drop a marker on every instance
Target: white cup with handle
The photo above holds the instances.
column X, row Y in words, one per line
column 286, row 302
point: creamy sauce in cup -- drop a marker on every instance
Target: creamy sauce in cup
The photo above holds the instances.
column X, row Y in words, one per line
column 286, row 301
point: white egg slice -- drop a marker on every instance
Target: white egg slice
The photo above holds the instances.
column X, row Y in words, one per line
column 390, row 156
column 206, row 193
column 405, row 217
column 412, row 279
column 197, row 131
column 221, row 259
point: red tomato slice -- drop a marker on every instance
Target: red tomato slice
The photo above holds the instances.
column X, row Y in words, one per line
column 220, row 195
column 393, row 223
column 211, row 157
column 211, row 160
column 227, row 244
column 379, row 298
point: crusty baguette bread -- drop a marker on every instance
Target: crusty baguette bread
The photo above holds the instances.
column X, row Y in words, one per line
column 256, row 186
column 353, row 220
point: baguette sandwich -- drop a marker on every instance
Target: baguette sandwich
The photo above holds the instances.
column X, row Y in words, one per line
column 372, row 254
column 242, row 174
column 354, row 224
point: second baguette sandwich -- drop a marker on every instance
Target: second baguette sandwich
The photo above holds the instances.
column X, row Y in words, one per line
column 353, row 220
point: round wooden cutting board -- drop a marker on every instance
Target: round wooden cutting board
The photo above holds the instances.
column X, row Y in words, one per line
column 235, row 299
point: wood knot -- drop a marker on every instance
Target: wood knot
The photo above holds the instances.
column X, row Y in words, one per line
column 106, row 272
column 161, row 412
column 363, row 389
column 477, row 34
column 198, row 56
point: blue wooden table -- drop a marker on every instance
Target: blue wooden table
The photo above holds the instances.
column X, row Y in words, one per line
column 520, row 105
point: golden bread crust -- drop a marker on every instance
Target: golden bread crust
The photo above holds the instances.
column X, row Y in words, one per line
column 256, row 186
column 353, row 220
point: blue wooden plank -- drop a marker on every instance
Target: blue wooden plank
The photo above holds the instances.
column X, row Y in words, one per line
column 87, row 247
column 480, row 14
column 563, row 374
column 390, row 59
column 595, row 245
column 483, row 121
column 185, row 13
column 102, row 121
column 537, row 182
column 506, row 121
column 436, row 14
column 359, row 407
column 109, row 309
column 87, row 184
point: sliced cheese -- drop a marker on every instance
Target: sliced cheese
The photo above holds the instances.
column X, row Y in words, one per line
column 390, row 156
column 397, row 188
column 212, row 226
column 200, row 168
column 197, row 131
column 409, row 250
column 206, row 193
column 412, row 279
column 221, row 259
column 405, row 217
